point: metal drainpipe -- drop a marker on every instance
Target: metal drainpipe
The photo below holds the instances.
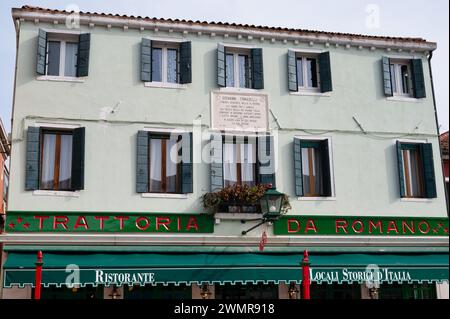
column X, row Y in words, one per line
column 430, row 56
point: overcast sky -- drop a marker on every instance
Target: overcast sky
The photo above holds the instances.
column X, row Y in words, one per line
column 428, row 19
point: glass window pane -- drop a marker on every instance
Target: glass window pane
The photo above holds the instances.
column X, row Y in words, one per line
column 405, row 79
column 306, row 171
column 172, row 63
column 414, row 174
column 54, row 49
column 71, row 59
column 243, row 71
column 318, row 180
column 311, row 69
column 229, row 164
column 394, row 78
column 65, row 163
column 230, row 70
column 248, row 161
column 157, row 65
column 300, row 72
column 155, row 166
column 171, row 166
column 48, row 161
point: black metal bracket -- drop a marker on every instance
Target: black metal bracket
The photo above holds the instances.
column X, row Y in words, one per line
column 262, row 221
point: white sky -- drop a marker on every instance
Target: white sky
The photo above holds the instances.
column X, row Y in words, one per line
column 427, row 19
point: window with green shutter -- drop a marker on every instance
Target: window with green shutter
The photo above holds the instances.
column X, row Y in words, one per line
column 63, row 55
column 416, row 170
column 312, row 168
column 309, row 72
column 55, row 159
column 164, row 163
column 404, row 78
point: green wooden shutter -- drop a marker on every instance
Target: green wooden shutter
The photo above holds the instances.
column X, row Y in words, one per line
column 221, row 64
column 418, row 79
column 185, row 62
column 266, row 160
column 84, row 47
column 41, row 65
column 326, row 168
column 257, row 69
column 216, row 149
column 326, row 84
column 32, row 159
column 146, row 60
column 401, row 174
column 78, row 151
column 426, row 150
column 298, row 167
column 187, row 183
column 292, row 71
column 387, row 77
column 142, row 173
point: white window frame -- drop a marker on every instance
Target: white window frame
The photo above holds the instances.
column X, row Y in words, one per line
column 63, row 39
column 236, row 52
column 165, row 46
column 332, row 178
column 398, row 63
column 304, row 56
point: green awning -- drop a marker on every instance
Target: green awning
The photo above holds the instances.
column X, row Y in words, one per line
column 192, row 268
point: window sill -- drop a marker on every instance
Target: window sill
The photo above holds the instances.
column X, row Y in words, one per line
column 59, row 79
column 237, row 216
column 238, row 90
column 403, row 99
column 310, row 93
column 167, row 196
column 420, row 200
column 310, row 199
column 75, row 194
column 163, row 85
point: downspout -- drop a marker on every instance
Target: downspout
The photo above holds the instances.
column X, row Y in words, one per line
column 430, row 56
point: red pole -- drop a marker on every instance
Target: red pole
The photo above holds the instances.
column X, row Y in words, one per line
column 39, row 263
column 306, row 282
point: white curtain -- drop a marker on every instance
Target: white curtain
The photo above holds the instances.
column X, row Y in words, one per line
column 247, row 160
column 305, row 171
column 171, row 165
column 65, row 165
column 48, row 161
column 155, row 165
column 229, row 164
column 71, row 59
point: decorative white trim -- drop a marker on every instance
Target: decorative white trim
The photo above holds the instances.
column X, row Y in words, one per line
column 63, row 31
column 55, row 78
column 75, row 194
column 399, row 98
column 166, row 39
column 415, row 200
column 313, row 199
column 237, row 216
column 238, row 45
column 164, row 130
column 230, row 89
column 56, row 125
column 299, row 50
column 164, row 195
column 404, row 57
column 410, row 141
column 310, row 93
column 165, row 85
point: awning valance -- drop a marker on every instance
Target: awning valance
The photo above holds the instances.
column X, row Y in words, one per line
column 191, row 268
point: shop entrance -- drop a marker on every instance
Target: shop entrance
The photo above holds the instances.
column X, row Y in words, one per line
column 248, row 291
column 170, row 292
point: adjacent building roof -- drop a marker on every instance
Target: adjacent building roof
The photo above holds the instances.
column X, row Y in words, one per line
column 444, row 143
column 92, row 18
column 4, row 143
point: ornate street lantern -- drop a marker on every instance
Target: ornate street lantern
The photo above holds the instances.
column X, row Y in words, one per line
column 271, row 203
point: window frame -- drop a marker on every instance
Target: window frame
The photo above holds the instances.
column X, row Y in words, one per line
column 227, row 139
column 413, row 145
column 331, row 159
column 396, row 78
column 63, row 39
column 59, row 132
column 165, row 46
column 236, row 52
column 304, row 56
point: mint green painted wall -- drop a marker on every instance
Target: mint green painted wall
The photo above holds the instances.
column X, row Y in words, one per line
column 365, row 168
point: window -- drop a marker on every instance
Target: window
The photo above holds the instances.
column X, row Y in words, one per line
column 238, row 68
column 307, row 73
column 408, row 291
column 164, row 164
column 63, row 55
column 56, row 160
column 247, row 291
column 239, row 167
column 401, row 78
column 165, row 62
column 416, row 170
column 312, row 168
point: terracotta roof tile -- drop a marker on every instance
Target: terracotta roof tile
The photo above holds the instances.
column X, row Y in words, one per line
column 444, row 143
column 246, row 26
